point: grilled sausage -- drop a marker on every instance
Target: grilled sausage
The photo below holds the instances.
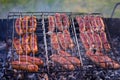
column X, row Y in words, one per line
column 58, row 22
column 17, row 45
column 98, row 41
column 62, row 61
column 32, row 24
column 93, row 24
column 100, row 23
column 66, row 22
column 68, row 39
column 69, row 57
column 33, row 43
column 25, row 24
column 105, row 41
column 100, row 59
column 87, row 23
column 26, row 66
column 84, row 40
column 81, row 23
column 25, row 44
column 33, row 60
column 62, row 40
column 51, row 21
column 18, row 26
column 90, row 38
column 54, row 41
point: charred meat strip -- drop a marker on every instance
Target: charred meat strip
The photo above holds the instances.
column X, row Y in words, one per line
column 62, row 61
column 18, row 26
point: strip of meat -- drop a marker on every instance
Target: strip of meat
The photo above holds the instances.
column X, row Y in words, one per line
column 69, row 57
column 17, row 45
column 18, row 26
column 33, row 24
column 68, row 39
column 33, row 43
column 26, row 66
column 100, row 59
column 54, row 41
column 66, row 22
column 62, row 61
column 62, row 40
column 25, row 44
column 87, row 23
column 51, row 21
column 58, row 21
column 25, row 24
column 84, row 40
column 90, row 38
column 100, row 23
column 33, row 60
column 105, row 41
column 98, row 41
column 81, row 23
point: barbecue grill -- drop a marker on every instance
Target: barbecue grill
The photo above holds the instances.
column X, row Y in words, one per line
column 51, row 70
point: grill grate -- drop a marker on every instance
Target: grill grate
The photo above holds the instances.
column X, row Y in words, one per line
column 54, row 70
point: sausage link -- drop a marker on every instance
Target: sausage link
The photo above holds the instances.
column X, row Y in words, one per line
column 26, row 66
column 61, row 60
column 33, row 60
column 33, row 43
column 100, row 59
column 69, row 57
column 25, row 44
column 51, row 21
column 18, row 46
column 18, row 26
column 32, row 24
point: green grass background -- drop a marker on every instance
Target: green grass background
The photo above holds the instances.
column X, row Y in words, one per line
column 88, row 6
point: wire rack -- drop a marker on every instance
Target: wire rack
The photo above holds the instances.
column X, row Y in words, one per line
column 45, row 47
